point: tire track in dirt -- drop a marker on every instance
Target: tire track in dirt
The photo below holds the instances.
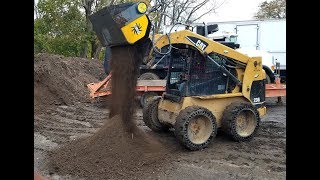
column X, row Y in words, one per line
column 263, row 157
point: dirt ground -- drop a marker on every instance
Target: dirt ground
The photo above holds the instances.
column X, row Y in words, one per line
column 66, row 118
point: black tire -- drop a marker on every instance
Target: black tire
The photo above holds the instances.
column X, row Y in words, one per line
column 188, row 118
column 148, row 76
column 147, row 97
column 268, row 79
column 240, row 111
column 269, row 75
column 150, row 116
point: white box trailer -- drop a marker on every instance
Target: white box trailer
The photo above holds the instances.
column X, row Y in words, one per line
column 263, row 35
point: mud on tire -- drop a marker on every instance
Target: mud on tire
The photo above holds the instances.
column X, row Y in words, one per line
column 146, row 97
column 150, row 116
column 240, row 121
column 195, row 127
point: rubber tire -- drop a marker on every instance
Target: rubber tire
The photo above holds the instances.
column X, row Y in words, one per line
column 150, row 116
column 268, row 79
column 228, row 123
column 148, row 76
column 146, row 95
column 182, row 123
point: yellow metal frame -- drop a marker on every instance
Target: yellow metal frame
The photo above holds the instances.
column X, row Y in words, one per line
column 179, row 37
column 253, row 72
column 170, row 110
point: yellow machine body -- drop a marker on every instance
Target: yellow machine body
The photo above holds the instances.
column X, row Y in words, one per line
column 168, row 110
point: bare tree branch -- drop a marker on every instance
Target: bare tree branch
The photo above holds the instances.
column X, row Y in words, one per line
column 194, row 9
column 214, row 7
column 184, row 11
column 182, row 8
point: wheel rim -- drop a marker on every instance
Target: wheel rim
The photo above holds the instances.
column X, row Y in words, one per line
column 246, row 123
column 199, row 130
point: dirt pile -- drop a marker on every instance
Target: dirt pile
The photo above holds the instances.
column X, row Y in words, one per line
column 63, row 80
column 119, row 150
column 111, row 153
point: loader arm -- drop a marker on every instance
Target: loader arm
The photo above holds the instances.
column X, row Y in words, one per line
column 203, row 44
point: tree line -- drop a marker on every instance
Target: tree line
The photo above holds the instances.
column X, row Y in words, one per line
column 62, row 26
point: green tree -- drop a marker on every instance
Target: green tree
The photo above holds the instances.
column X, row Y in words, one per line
column 275, row 9
column 63, row 27
column 59, row 28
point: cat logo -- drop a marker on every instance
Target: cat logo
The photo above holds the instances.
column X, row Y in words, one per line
column 200, row 45
column 136, row 29
column 197, row 42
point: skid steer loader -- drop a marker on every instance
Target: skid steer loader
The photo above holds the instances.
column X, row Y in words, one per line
column 215, row 87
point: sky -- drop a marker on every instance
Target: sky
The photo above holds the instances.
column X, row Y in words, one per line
column 234, row 10
column 231, row 10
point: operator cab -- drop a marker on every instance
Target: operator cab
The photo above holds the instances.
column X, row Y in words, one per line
column 197, row 76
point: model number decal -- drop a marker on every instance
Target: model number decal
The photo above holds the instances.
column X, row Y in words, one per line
column 255, row 100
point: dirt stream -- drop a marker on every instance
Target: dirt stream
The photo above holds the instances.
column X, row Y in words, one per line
column 74, row 138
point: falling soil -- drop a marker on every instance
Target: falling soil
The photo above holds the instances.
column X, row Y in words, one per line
column 125, row 70
column 119, row 149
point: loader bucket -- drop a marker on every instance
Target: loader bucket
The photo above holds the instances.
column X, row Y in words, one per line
column 122, row 24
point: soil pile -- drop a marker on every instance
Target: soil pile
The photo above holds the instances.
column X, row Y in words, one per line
column 119, row 150
column 63, row 80
column 111, row 153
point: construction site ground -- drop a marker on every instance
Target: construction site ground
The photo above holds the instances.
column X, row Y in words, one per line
column 63, row 113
